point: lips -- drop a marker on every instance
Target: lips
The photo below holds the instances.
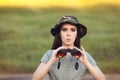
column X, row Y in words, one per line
column 68, row 39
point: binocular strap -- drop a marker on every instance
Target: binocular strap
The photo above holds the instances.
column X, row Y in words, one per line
column 59, row 64
column 76, row 64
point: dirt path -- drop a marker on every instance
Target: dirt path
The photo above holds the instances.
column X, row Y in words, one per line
column 29, row 77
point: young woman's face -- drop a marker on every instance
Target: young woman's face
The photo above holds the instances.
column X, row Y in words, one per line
column 68, row 34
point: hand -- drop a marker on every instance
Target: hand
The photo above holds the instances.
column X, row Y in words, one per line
column 54, row 58
column 83, row 57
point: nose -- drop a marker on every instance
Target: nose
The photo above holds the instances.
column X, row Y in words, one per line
column 68, row 33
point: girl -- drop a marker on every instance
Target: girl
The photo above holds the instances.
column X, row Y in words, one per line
column 67, row 33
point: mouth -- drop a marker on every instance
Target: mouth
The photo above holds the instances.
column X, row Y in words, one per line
column 68, row 39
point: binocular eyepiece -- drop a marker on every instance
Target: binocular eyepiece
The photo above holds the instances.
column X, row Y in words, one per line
column 74, row 52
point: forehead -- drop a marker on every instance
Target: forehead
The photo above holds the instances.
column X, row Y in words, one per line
column 67, row 25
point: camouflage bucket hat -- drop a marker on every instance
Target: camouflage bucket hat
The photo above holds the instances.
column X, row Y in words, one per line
column 82, row 30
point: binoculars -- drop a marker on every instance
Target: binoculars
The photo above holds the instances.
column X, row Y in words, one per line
column 74, row 52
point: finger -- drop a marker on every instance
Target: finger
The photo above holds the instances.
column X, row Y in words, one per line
column 55, row 51
column 83, row 49
column 79, row 50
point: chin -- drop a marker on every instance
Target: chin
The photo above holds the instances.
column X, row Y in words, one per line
column 68, row 44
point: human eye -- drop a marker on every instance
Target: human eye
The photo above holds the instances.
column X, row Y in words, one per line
column 64, row 29
column 73, row 30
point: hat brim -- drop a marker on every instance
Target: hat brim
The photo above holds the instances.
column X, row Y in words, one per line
column 82, row 30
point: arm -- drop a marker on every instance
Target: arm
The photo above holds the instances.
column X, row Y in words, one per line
column 94, row 70
column 43, row 68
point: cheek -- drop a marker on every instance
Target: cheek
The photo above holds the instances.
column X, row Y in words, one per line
column 75, row 35
column 62, row 35
column 75, row 38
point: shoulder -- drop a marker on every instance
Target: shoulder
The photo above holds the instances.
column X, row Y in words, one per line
column 90, row 58
column 48, row 52
column 47, row 55
column 88, row 54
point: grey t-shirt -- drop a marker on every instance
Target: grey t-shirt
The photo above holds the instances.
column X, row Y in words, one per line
column 67, row 69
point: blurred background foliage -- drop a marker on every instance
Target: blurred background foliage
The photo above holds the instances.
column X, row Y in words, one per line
column 25, row 35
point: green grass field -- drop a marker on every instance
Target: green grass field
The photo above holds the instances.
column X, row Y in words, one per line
column 25, row 36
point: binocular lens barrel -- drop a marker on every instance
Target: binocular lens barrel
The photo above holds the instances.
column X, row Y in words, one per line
column 60, row 55
column 77, row 55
